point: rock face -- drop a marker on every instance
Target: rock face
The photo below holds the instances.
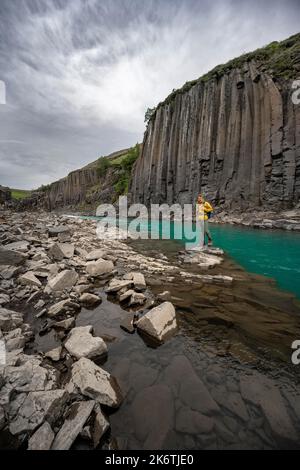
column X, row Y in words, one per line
column 233, row 135
column 5, row 194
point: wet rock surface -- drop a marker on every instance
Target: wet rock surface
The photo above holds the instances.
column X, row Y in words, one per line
column 200, row 389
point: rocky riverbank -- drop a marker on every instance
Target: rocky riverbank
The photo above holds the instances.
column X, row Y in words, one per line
column 263, row 219
column 52, row 270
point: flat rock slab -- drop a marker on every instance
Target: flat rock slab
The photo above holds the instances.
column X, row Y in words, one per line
column 95, row 255
column 81, row 343
column 232, row 401
column 188, row 387
column 73, row 425
column 9, row 319
column 38, row 407
column 153, row 415
column 64, row 280
column 62, row 307
column 138, row 280
column 59, row 251
column 262, row 392
column 54, row 231
column 99, row 267
column 192, row 422
column 29, row 279
column 117, row 284
column 42, row 438
column 160, row 323
column 94, row 382
column 11, row 258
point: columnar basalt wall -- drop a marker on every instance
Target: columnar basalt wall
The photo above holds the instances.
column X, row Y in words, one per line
column 235, row 138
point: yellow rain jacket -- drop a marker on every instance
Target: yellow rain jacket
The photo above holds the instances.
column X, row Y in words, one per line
column 203, row 210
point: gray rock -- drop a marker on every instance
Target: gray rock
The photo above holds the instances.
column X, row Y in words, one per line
column 160, row 323
column 125, row 295
column 127, row 323
column 2, row 418
column 73, row 425
column 99, row 267
column 90, row 300
column 42, row 438
column 59, row 251
column 117, row 284
column 101, row 425
column 81, row 343
column 9, row 319
column 95, row 255
column 137, row 298
column 36, row 408
column 11, row 258
column 65, row 324
column 59, row 229
column 138, row 280
column 18, row 246
column 62, row 307
column 94, row 382
column 29, row 279
column 54, row 354
column 64, row 280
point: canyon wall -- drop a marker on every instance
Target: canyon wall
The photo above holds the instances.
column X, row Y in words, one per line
column 234, row 136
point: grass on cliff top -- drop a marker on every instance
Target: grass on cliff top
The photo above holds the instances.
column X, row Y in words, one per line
column 279, row 58
column 19, row 194
column 123, row 164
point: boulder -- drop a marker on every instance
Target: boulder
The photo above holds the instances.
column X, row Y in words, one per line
column 18, row 246
column 36, row 408
column 65, row 324
column 62, row 307
column 59, row 229
column 11, row 258
column 64, row 280
column 42, row 438
column 94, row 382
column 73, row 425
column 99, row 267
column 95, row 255
column 88, row 300
column 9, row 319
column 117, row 284
column 138, row 280
column 137, row 298
column 81, row 343
column 59, row 251
column 159, row 323
column 54, row 354
column 29, row 279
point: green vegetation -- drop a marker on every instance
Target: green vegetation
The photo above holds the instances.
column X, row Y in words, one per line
column 125, row 167
column 44, row 188
column 20, row 193
column 149, row 113
column 102, row 166
column 122, row 167
column 282, row 59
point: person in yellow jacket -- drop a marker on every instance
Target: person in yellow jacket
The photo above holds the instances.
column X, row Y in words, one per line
column 204, row 210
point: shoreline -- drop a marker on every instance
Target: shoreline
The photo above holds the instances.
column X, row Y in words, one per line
column 63, row 280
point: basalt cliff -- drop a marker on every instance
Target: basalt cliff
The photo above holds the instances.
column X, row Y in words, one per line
column 233, row 134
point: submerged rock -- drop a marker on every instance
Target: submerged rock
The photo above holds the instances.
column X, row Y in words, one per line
column 94, row 382
column 159, row 323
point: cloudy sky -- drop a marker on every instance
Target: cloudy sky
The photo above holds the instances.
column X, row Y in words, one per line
column 79, row 74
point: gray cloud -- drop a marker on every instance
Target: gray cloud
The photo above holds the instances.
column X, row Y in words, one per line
column 80, row 74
